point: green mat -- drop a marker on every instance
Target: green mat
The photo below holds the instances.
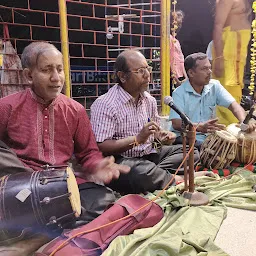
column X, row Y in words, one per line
column 187, row 230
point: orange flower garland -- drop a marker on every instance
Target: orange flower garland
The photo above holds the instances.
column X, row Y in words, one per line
column 253, row 52
column 173, row 29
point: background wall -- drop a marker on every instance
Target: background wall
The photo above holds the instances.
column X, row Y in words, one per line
column 91, row 54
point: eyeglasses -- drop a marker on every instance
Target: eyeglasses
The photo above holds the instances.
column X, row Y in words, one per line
column 142, row 71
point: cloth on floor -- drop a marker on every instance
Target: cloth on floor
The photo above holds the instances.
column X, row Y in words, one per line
column 237, row 192
column 187, row 230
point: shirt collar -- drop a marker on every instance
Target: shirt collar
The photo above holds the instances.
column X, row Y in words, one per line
column 189, row 88
column 126, row 97
column 40, row 100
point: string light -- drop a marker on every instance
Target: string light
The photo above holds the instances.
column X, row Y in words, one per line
column 174, row 29
column 253, row 52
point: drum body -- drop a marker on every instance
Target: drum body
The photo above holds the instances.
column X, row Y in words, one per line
column 246, row 144
column 218, row 150
column 36, row 202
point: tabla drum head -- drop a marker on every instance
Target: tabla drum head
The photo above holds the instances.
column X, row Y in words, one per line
column 74, row 192
column 226, row 136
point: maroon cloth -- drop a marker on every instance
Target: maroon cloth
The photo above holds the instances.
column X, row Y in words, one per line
column 41, row 134
column 95, row 242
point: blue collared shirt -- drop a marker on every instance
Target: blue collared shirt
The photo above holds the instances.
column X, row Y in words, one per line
column 200, row 107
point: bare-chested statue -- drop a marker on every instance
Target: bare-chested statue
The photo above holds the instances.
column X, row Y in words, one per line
column 231, row 35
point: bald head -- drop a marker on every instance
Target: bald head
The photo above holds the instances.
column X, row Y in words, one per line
column 32, row 52
column 122, row 59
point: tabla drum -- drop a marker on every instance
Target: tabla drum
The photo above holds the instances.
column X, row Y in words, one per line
column 40, row 200
column 218, row 150
column 246, row 144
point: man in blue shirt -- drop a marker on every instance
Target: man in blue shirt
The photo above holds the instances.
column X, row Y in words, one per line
column 198, row 97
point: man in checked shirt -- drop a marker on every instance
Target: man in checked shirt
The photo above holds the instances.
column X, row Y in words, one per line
column 125, row 122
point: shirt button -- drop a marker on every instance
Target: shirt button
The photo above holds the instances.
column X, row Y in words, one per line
column 46, row 109
column 46, row 130
column 45, row 117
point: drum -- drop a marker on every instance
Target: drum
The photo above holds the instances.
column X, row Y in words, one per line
column 36, row 202
column 218, row 150
column 246, row 144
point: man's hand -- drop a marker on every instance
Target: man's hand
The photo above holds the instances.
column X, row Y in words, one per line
column 249, row 127
column 210, row 126
column 106, row 170
column 218, row 67
column 166, row 137
column 148, row 129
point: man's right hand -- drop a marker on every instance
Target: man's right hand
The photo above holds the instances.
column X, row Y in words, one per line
column 105, row 171
column 210, row 126
column 148, row 129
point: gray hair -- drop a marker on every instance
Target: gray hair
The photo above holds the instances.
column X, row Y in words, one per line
column 32, row 52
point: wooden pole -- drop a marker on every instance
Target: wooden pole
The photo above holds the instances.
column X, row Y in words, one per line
column 165, row 53
column 65, row 44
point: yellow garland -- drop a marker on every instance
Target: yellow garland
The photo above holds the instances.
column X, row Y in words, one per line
column 253, row 52
column 173, row 29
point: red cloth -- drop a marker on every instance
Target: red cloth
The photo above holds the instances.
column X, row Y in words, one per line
column 41, row 134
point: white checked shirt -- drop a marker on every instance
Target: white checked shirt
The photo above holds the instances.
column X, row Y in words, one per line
column 115, row 116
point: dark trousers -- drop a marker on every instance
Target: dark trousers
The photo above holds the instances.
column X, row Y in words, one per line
column 94, row 198
column 150, row 172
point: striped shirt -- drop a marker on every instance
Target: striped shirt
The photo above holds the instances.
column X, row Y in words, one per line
column 115, row 116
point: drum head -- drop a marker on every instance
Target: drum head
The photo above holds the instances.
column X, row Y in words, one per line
column 226, row 136
column 74, row 192
column 236, row 131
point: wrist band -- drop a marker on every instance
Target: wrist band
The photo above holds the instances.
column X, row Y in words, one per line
column 135, row 143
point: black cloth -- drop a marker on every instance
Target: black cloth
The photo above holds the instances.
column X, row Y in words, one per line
column 173, row 86
column 9, row 162
column 150, row 172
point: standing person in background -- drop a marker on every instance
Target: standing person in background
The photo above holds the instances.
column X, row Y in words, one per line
column 231, row 35
column 178, row 73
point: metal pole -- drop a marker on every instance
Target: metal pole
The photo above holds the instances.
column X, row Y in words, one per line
column 165, row 52
column 64, row 44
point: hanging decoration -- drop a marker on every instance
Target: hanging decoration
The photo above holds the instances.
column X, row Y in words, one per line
column 174, row 29
column 253, row 51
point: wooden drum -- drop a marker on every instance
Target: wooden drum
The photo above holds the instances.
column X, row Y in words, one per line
column 218, row 150
column 246, row 144
column 41, row 200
